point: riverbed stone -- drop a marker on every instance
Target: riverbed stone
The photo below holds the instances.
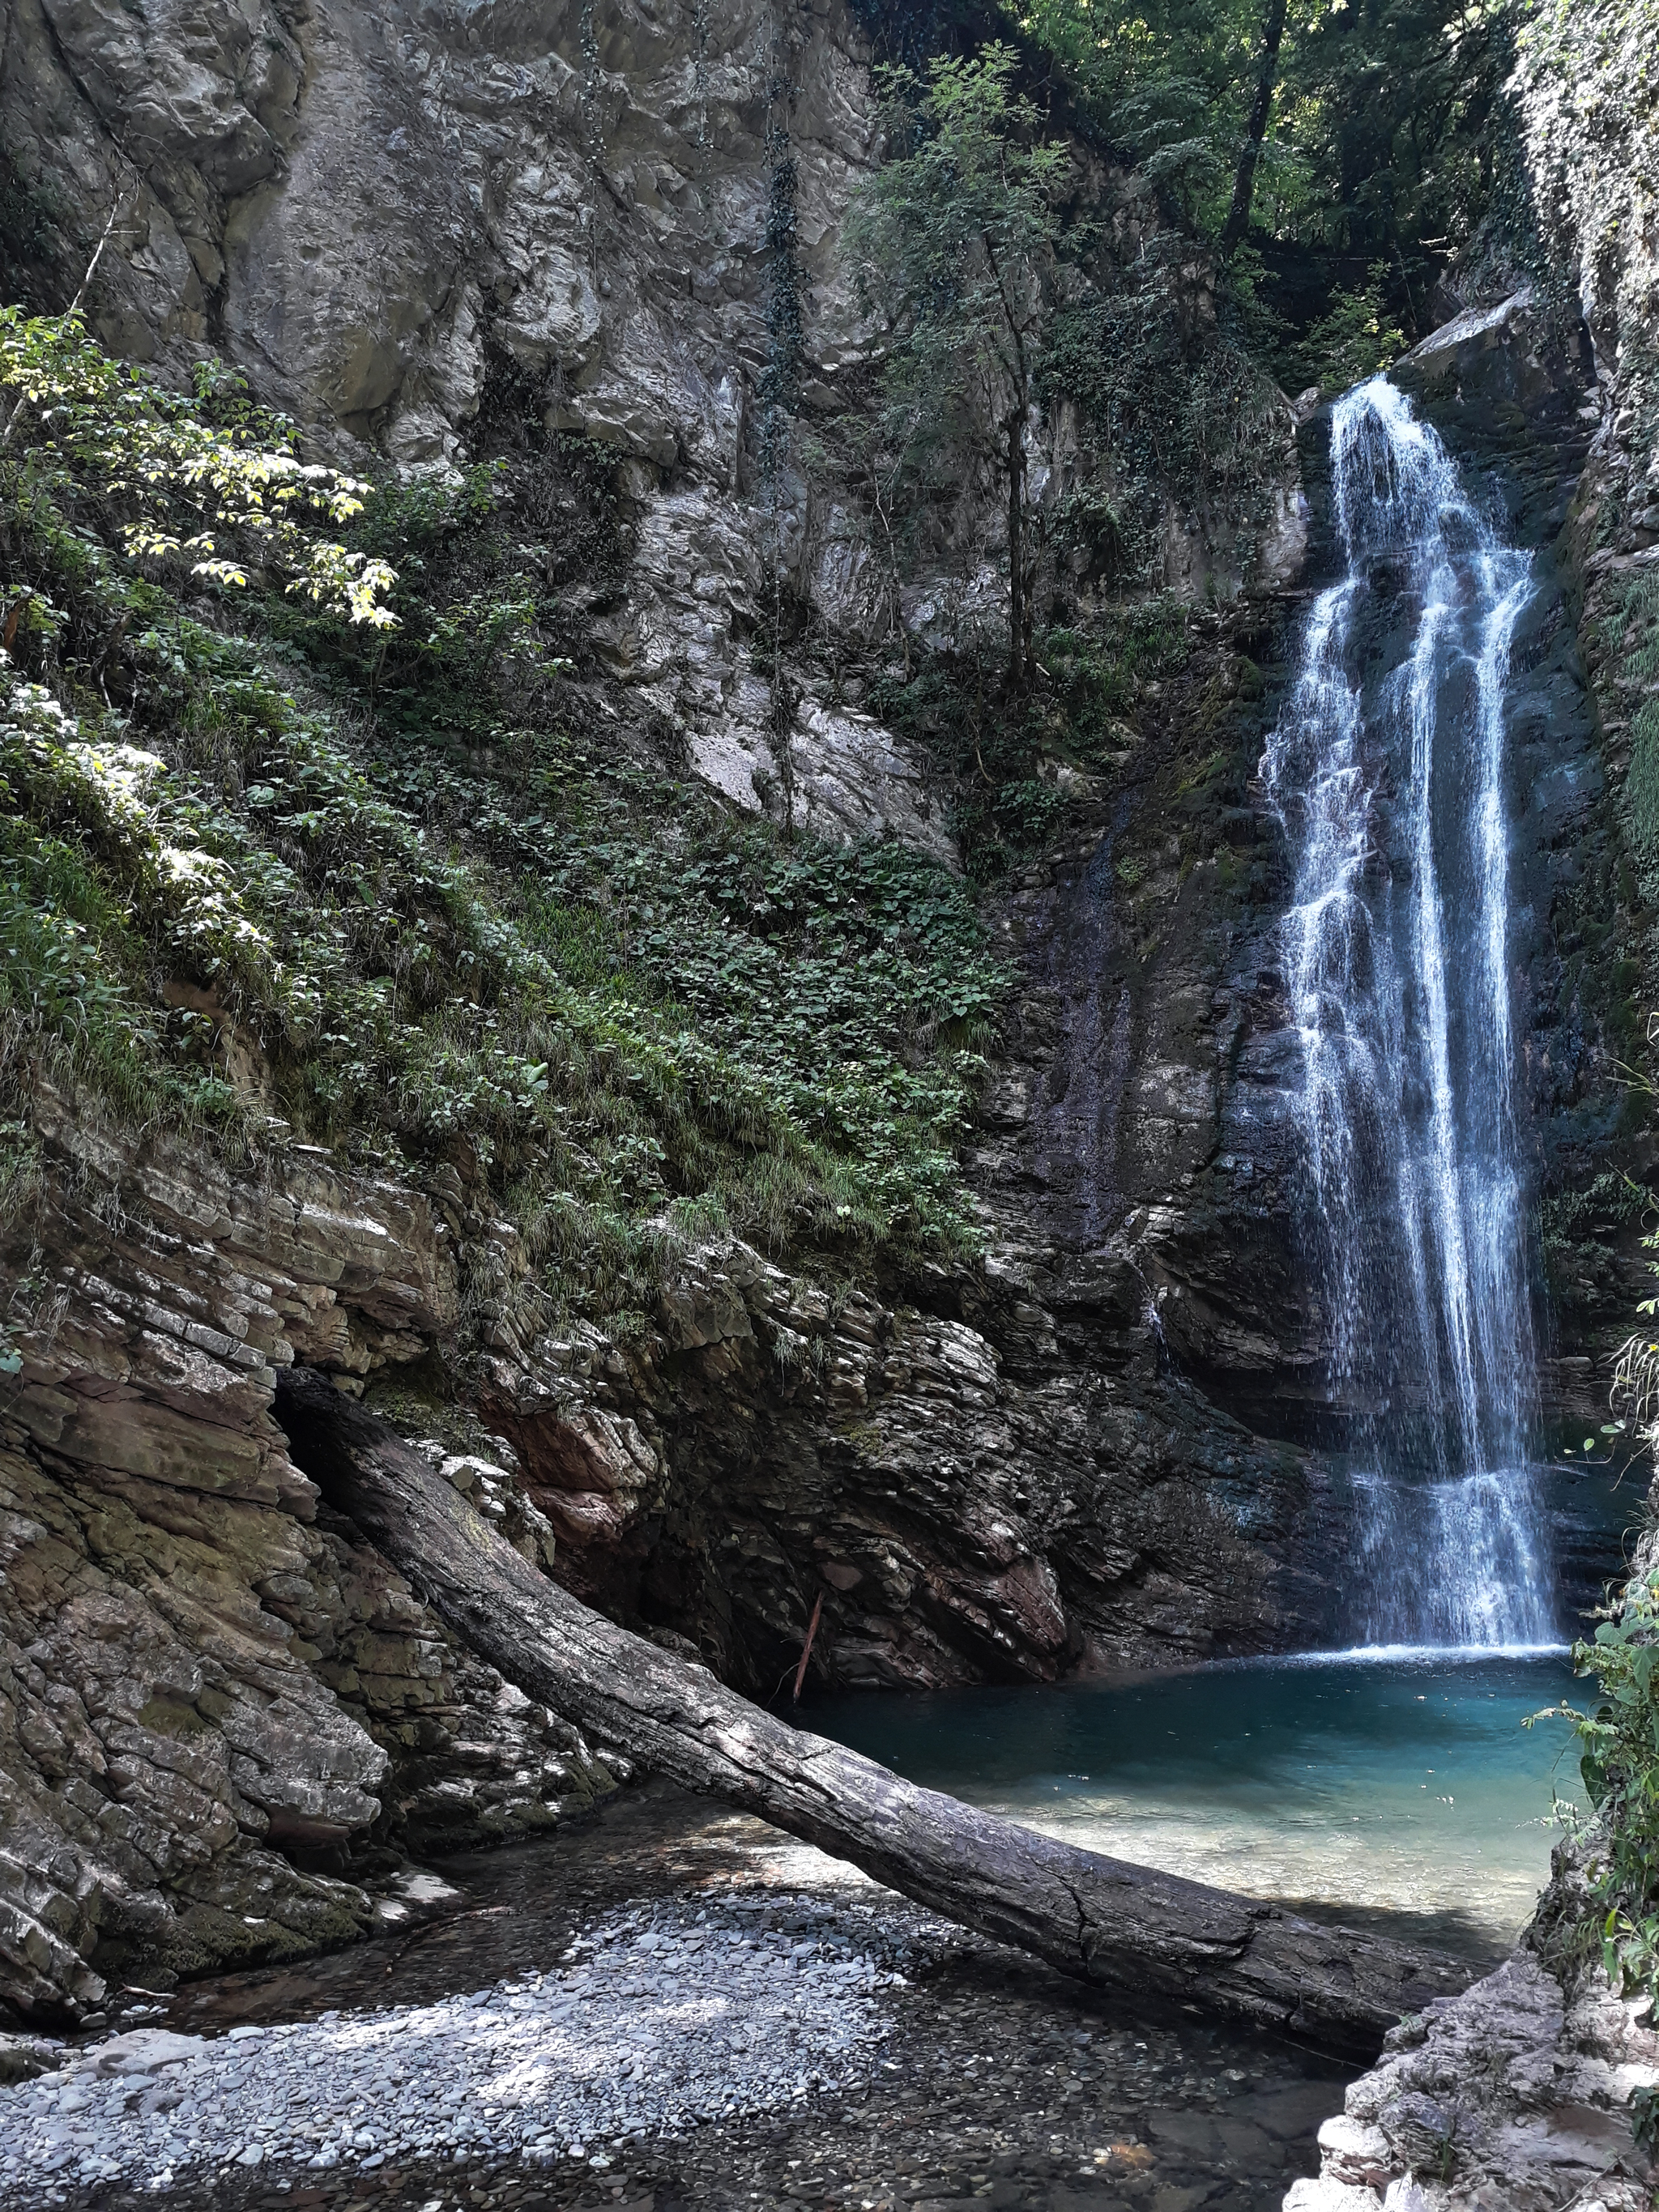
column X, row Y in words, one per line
column 944, row 2105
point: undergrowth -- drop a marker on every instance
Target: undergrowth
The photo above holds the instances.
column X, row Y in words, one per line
column 377, row 865
column 1078, row 714
column 1620, row 1764
column 1619, row 1739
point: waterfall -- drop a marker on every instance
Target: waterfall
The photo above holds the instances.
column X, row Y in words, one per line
column 1386, row 770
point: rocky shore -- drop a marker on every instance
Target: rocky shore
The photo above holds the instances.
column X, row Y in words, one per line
column 1515, row 2097
column 673, row 2007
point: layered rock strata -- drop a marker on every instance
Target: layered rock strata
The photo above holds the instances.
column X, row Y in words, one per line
column 217, row 1699
column 209, row 1693
column 219, row 1705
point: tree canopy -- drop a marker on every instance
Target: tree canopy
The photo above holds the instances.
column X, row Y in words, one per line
column 950, row 239
column 1380, row 132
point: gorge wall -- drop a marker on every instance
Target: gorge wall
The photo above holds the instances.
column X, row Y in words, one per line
column 1519, row 2092
column 223, row 1722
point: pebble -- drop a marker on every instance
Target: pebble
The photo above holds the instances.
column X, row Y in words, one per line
column 656, row 2022
column 951, row 2074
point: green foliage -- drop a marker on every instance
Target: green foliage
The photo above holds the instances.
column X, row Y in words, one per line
column 1384, row 143
column 1577, row 1235
column 950, row 241
column 1619, row 1763
column 1168, row 405
column 1393, row 115
column 1354, row 340
column 96, row 430
column 401, row 890
column 1166, row 85
column 1088, row 683
column 1096, row 676
column 950, row 229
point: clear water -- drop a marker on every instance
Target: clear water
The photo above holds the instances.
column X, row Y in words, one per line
column 1396, row 1780
column 1389, row 772
column 1403, row 1785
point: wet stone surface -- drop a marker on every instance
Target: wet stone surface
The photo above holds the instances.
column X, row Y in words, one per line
column 848, row 2051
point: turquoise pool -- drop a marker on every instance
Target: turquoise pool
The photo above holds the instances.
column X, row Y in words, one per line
column 1399, row 1784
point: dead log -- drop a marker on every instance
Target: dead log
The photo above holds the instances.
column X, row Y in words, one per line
column 1139, row 1934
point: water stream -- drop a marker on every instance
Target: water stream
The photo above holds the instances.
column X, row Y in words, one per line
column 1388, row 771
column 1395, row 1777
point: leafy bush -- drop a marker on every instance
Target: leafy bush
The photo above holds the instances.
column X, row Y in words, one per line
column 1620, row 1768
column 1354, row 340
column 102, row 430
column 390, row 868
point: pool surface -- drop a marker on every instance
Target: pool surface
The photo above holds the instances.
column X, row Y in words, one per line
column 1399, row 1784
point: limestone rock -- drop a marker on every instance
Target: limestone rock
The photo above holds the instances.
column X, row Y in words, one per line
column 206, row 1698
column 380, row 216
column 1511, row 2097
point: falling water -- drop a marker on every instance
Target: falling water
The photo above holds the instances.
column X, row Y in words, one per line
column 1390, row 788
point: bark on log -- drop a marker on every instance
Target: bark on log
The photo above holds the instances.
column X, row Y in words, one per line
column 1125, row 1929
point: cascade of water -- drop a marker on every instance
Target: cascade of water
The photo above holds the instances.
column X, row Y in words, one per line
column 1391, row 791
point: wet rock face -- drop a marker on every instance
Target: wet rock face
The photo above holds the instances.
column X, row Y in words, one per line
column 977, row 1488
column 1145, row 1130
column 1141, row 1160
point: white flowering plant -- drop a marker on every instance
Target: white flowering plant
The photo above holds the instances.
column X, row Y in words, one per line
column 221, row 496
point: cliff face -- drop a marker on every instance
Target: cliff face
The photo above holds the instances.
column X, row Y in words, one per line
column 620, row 222
column 395, row 220
column 207, row 1689
column 211, row 1690
column 222, row 1720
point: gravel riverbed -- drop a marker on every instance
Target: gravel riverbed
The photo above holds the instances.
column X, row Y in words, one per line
column 651, row 2024
column 674, row 2010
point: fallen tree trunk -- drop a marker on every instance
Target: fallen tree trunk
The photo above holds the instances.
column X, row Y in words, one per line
column 1125, row 1929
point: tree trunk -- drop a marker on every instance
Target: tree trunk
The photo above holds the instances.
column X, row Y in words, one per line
column 1017, row 619
column 1238, row 215
column 1125, row 1929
